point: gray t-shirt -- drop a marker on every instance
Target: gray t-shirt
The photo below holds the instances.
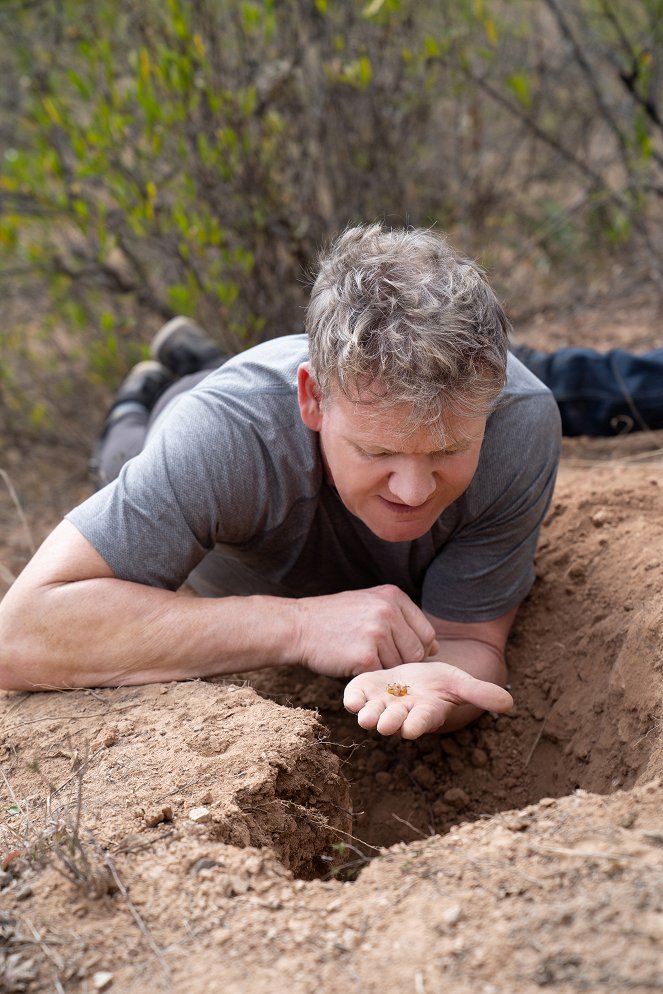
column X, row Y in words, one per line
column 229, row 493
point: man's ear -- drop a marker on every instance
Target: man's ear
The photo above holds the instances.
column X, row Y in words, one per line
column 308, row 395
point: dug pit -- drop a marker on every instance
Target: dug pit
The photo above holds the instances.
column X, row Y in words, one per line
column 586, row 672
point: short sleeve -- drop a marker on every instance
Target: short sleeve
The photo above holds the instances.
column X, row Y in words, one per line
column 204, row 476
column 486, row 567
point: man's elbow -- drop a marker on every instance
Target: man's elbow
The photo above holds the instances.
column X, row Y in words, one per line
column 24, row 662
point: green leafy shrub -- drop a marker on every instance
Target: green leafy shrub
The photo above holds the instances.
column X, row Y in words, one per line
column 190, row 156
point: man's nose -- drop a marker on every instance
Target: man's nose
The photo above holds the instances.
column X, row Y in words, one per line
column 412, row 485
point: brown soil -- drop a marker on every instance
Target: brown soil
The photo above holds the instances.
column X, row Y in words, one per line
column 523, row 853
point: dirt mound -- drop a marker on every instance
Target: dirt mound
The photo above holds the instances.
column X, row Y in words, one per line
column 219, row 760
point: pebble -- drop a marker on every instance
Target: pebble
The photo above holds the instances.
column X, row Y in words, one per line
column 205, row 864
column 452, row 915
column 102, row 980
column 479, row 757
column 155, row 818
column 424, row 776
column 450, row 747
column 199, row 815
column 440, row 809
column 457, row 797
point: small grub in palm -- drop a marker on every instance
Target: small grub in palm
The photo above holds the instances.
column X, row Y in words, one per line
column 397, row 689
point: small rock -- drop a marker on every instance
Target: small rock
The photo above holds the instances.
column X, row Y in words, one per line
column 383, row 778
column 479, row 757
column 455, row 764
column 440, row 809
column 450, row 747
column 205, row 864
column 102, row 980
column 424, row 776
column 155, row 818
column 457, row 797
column 577, row 572
column 24, row 892
column 199, row 815
column 452, row 915
column 600, row 518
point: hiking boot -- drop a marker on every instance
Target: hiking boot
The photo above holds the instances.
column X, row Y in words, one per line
column 182, row 347
column 143, row 386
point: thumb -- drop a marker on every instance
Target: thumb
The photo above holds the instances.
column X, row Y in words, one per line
column 469, row 690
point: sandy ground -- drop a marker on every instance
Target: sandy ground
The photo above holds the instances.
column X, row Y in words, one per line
column 246, row 835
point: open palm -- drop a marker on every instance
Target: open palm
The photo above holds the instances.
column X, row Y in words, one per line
column 434, row 690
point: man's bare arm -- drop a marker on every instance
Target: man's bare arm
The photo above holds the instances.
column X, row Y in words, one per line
column 68, row 622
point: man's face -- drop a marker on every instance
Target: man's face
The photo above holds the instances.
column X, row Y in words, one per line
column 397, row 484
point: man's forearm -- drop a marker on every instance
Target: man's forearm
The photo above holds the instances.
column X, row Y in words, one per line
column 108, row 632
column 69, row 622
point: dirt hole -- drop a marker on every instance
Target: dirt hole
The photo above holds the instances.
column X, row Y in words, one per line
column 586, row 673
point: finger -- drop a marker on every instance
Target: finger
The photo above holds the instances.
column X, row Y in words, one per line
column 369, row 715
column 354, row 696
column 414, row 635
column 388, row 652
column 423, row 719
column 392, row 718
column 467, row 689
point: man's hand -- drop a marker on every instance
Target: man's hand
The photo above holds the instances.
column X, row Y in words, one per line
column 434, row 691
column 362, row 630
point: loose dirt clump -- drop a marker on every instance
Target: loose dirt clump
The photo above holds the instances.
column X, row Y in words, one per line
column 246, row 835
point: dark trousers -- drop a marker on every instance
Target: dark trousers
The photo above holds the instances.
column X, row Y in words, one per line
column 125, row 437
column 601, row 393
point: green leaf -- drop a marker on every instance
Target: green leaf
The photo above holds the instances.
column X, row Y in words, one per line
column 518, row 83
column 373, row 8
column 365, row 71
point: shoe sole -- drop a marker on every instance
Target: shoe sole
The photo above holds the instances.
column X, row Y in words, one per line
column 170, row 329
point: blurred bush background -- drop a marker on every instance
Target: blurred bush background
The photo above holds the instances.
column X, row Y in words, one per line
column 191, row 156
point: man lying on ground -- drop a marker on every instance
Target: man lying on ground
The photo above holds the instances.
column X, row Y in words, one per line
column 364, row 502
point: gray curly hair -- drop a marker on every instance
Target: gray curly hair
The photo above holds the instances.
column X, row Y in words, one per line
column 398, row 314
